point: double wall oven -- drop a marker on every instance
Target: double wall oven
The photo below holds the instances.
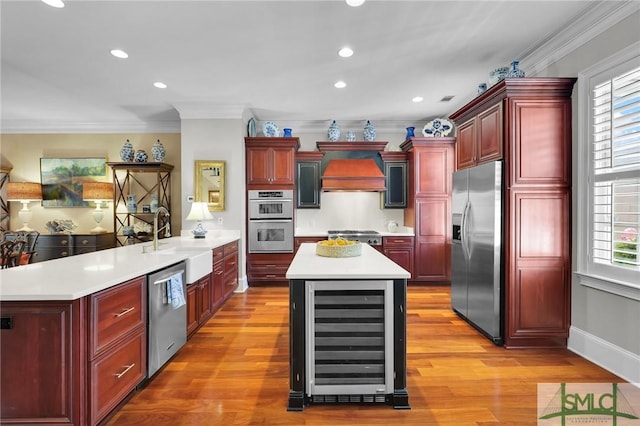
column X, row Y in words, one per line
column 270, row 221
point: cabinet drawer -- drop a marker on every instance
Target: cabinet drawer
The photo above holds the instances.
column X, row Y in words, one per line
column 116, row 374
column 218, row 254
column 397, row 241
column 115, row 312
column 231, row 248
column 54, row 241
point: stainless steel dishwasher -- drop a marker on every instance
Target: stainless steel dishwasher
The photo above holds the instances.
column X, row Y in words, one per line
column 167, row 326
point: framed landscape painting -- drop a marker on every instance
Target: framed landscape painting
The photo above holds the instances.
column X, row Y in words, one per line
column 62, row 179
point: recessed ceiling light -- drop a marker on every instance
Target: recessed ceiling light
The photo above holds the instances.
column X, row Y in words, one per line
column 355, row 3
column 446, row 98
column 345, row 52
column 160, row 85
column 54, row 3
column 340, row 84
column 417, row 99
column 119, row 53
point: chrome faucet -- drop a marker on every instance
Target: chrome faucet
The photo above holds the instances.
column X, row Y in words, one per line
column 155, row 227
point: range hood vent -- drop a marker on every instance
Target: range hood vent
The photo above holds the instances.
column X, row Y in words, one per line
column 353, row 175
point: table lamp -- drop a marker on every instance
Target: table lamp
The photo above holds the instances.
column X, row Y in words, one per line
column 199, row 211
column 97, row 192
column 24, row 192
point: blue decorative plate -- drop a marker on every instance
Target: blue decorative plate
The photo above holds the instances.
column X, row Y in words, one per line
column 439, row 127
column 270, row 129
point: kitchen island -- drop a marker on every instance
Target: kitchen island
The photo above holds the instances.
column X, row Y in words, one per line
column 73, row 339
column 347, row 329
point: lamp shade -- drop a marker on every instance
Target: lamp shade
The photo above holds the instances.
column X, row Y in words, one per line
column 199, row 211
column 97, row 191
column 24, row 191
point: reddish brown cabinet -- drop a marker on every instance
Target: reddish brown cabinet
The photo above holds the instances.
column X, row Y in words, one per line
column 527, row 123
column 199, row 302
column 400, row 250
column 430, row 165
column 271, row 162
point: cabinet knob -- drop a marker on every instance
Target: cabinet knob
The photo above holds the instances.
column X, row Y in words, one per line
column 85, row 242
column 64, row 242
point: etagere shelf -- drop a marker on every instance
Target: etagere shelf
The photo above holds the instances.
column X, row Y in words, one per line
column 143, row 180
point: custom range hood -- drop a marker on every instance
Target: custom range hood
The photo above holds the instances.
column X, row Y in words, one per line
column 353, row 175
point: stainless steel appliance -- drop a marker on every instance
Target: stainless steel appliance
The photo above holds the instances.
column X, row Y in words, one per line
column 373, row 238
column 167, row 325
column 270, row 227
column 349, row 340
column 476, row 261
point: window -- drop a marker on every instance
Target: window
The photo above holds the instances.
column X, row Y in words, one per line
column 609, row 201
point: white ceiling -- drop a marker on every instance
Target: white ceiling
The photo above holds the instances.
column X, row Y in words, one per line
column 275, row 60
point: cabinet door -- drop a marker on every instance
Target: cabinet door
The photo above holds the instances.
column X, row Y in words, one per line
column 308, row 184
column 489, row 137
column 466, row 145
column 395, row 176
column 192, row 308
column 204, row 285
column 258, row 164
column 282, row 166
column 433, row 247
column 218, row 284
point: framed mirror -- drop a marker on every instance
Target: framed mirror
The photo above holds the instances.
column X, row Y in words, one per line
column 209, row 184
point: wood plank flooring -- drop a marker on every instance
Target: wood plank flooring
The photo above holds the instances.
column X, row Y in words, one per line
column 235, row 371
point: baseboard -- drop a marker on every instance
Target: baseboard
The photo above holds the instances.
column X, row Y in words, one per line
column 243, row 285
column 612, row 358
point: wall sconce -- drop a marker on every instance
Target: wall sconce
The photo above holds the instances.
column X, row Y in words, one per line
column 199, row 212
column 98, row 192
column 25, row 192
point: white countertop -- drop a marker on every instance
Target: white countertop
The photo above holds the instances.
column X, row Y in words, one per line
column 370, row 265
column 73, row 277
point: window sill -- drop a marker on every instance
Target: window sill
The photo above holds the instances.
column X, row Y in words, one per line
column 619, row 288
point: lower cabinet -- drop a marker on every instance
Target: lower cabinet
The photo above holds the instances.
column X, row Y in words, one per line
column 207, row 295
column 400, row 250
column 268, row 268
column 55, row 246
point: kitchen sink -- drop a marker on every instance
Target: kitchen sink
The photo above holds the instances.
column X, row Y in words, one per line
column 199, row 261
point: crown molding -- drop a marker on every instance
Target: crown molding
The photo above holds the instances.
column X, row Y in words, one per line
column 584, row 28
column 40, row 126
column 207, row 110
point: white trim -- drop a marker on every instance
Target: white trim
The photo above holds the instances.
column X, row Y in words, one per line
column 613, row 358
column 583, row 28
column 39, row 126
column 629, row 291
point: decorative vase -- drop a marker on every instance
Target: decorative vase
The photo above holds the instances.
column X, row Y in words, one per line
column 482, row 87
column 410, row 133
column 334, row 132
column 350, row 136
column 141, row 156
column 126, row 152
column 287, row 132
column 132, row 205
column 515, row 72
column 154, row 203
column 369, row 132
column 158, row 152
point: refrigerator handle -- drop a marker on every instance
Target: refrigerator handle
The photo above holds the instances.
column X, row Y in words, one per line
column 463, row 231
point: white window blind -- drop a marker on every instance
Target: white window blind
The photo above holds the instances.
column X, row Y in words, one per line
column 616, row 171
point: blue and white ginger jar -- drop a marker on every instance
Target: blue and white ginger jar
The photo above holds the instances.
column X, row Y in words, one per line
column 157, row 152
column 515, row 72
column 369, row 132
column 141, row 156
column 334, row 132
column 126, row 152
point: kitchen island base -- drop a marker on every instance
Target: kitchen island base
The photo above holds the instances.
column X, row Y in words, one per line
column 347, row 342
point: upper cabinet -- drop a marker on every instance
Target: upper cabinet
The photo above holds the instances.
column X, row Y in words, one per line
column 271, row 162
column 308, row 170
column 395, row 179
column 479, row 139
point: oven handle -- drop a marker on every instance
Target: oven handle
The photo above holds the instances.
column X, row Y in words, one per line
column 271, row 220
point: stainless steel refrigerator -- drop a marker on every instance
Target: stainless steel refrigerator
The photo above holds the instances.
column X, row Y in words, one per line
column 476, row 261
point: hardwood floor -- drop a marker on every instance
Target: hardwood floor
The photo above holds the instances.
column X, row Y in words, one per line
column 235, row 371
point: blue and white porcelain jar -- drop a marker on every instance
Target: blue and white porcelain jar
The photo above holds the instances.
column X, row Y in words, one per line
column 132, row 205
column 369, row 132
column 515, row 72
column 126, row 152
column 141, row 156
column 157, row 152
column 334, row 132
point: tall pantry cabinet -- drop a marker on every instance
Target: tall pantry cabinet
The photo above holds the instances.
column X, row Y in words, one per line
column 430, row 164
column 526, row 122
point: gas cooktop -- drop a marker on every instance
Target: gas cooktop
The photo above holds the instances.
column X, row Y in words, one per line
column 373, row 238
